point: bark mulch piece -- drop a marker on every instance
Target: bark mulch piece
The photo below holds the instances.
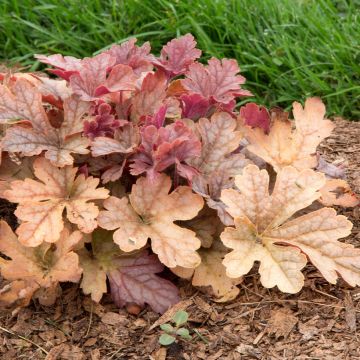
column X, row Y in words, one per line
column 320, row 322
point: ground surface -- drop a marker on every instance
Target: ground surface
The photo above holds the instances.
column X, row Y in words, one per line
column 319, row 323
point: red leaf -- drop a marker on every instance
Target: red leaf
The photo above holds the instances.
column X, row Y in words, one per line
column 104, row 124
column 255, row 116
column 137, row 57
column 194, row 106
column 134, row 281
column 218, row 81
column 177, row 55
column 161, row 148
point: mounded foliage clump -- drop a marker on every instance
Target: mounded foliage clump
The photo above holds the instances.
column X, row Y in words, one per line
column 124, row 164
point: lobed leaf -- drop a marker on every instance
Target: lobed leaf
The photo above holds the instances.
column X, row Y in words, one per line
column 262, row 230
column 39, row 267
column 284, row 146
column 41, row 203
column 177, row 55
column 218, row 81
column 150, row 212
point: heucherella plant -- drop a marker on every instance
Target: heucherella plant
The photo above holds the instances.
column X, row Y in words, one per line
column 126, row 164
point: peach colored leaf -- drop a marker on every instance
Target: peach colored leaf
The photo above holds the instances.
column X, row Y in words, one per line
column 58, row 143
column 262, row 230
column 24, row 102
column 211, row 272
column 41, row 203
column 54, row 87
column 18, row 292
column 219, row 140
column 135, row 281
column 217, row 81
column 94, row 276
column 338, row 192
column 177, row 55
column 74, row 111
column 42, row 265
column 316, row 234
column 284, row 146
column 11, row 170
column 151, row 213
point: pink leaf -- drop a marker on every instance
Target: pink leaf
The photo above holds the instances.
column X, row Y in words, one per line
column 177, row 55
column 255, row 116
column 135, row 281
column 157, row 119
column 218, row 81
column 65, row 66
column 137, row 57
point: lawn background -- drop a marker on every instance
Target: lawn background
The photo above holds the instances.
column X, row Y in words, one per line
column 287, row 50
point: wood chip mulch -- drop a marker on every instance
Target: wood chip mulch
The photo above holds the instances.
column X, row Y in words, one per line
column 320, row 322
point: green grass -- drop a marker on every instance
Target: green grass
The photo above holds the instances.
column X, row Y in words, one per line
column 287, row 49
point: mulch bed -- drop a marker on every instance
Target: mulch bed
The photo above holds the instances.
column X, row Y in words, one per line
column 318, row 323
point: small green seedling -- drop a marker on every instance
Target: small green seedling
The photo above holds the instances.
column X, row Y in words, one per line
column 172, row 332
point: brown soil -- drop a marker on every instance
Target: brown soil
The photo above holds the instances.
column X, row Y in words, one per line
column 319, row 323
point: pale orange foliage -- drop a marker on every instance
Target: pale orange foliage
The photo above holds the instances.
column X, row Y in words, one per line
column 261, row 230
column 338, row 192
column 285, row 146
column 42, row 203
column 211, row 272
column 24, row 102
column 150, row 212
column 40, row 267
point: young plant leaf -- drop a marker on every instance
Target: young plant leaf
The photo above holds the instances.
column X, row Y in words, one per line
column 167, row 328
column 166, row 339
column 180, row 318
column 184, row 333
